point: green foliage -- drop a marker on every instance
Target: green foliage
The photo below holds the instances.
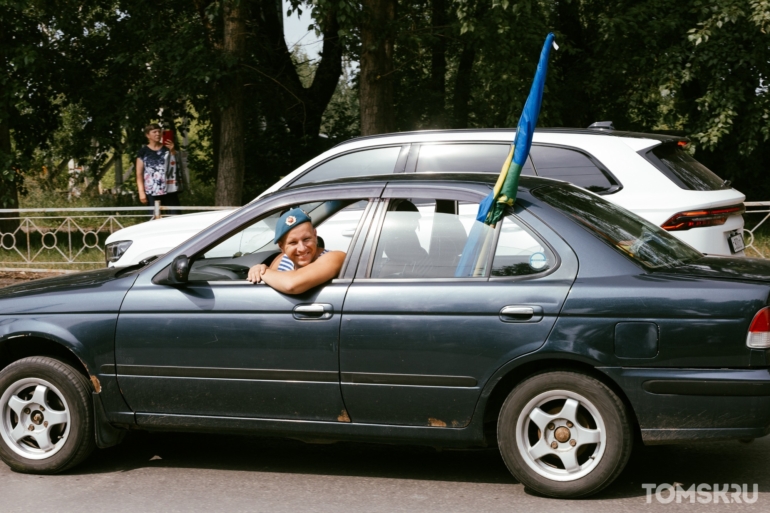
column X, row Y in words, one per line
column 80, row 79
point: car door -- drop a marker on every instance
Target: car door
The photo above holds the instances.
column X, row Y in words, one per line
column 221, row 346
column 431, row 315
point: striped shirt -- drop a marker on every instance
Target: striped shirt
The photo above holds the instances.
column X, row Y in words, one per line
column 287, row 265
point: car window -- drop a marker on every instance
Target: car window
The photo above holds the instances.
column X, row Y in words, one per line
column 682, row 169
column 248, row 240
column 468, row 158
column 519, row 252
column 377, row 161
column 431, row 239
column 571, row 166
column 335, row 222
column 640, row 240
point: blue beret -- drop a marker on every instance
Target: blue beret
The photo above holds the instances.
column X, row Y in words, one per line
column 290, row 220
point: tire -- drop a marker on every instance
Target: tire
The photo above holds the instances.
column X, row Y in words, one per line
column 54, row 400
column 570, row 408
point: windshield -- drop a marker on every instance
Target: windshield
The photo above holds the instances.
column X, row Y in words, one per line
column 642, row 241
column 682, row 169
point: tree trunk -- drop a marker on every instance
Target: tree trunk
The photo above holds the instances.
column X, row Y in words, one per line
column 438, row 65
column 462, row 94
column 99, row 172
column 9, row 194
column 118, row 168
column 571, row 59
column 231, row 160
column 376, row 75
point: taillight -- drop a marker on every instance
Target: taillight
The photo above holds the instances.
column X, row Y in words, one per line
column 701, row 218
column 759, row 331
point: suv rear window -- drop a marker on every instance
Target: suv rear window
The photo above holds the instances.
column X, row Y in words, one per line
column 571, row 166
column 682, row 169
column 637, row 238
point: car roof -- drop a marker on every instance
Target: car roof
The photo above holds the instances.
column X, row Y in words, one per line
column 416, row 135
column 525, row 182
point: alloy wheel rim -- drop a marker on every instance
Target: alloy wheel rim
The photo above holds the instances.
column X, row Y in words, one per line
column 35, row 418
column 561, row 435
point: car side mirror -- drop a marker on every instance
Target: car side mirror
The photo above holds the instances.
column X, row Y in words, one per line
column 179, row 270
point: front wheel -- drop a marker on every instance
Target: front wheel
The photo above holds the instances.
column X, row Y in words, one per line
column 46, row 417
column 564, row 434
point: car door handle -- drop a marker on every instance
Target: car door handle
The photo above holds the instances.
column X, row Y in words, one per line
column 313, row 311
column 521, row 313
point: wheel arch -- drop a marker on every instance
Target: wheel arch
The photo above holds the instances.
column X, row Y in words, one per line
column 17, row 346
column 509, row 376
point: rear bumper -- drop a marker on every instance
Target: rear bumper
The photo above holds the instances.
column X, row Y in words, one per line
column 681, row 405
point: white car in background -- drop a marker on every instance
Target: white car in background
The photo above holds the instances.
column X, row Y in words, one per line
column 649, row 174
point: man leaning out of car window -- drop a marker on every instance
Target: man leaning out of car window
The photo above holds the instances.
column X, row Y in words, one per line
column 302, row 264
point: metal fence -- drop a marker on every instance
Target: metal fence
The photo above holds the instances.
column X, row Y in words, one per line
column 55, row 239
column 756, row 246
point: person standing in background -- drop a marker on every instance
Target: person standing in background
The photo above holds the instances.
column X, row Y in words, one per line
column 153, row 162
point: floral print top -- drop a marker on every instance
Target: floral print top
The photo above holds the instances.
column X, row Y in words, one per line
column 154, row 170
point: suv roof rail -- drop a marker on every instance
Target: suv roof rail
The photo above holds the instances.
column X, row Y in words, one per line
column 602, row 125
column 604, row 131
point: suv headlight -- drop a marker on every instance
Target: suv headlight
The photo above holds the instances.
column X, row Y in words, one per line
column 114, row 250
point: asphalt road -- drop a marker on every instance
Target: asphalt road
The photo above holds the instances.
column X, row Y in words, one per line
column 183, row 472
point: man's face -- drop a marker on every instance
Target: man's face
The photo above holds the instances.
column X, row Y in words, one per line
column 153, row 135
column 300, row 245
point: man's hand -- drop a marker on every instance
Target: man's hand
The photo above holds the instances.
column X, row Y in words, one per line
column 256, row 272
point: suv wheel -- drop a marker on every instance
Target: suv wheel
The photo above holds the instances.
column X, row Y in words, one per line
column 564, row 434
column 46, row 417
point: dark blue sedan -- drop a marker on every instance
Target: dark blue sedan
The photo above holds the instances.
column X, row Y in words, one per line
column 560, row 335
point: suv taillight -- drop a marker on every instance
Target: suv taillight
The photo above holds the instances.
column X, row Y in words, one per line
column 759, row 331
column 701, row 218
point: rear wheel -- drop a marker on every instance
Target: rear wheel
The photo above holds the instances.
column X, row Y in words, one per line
column 46, row 416
column 564, row 434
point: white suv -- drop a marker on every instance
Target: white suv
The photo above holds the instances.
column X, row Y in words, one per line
column 649, row 174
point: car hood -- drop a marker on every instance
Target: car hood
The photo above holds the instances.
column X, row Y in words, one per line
column 170, row 225
column 91, row 291
column 740, row 268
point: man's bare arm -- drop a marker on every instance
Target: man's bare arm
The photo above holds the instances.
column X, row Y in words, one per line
column 298, row 281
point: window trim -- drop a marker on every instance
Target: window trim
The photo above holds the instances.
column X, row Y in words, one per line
column 371, row 202
column 365, row 275
column 618, row 186
column 365, row 220
column 397, row 168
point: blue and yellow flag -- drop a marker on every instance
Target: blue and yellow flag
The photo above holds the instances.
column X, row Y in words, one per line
column 504, row 194
column 476, row 251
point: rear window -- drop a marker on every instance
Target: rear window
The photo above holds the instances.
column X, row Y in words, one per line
column 571, row 166
column 640, row 240
column 465, row 158
column 682, row 169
